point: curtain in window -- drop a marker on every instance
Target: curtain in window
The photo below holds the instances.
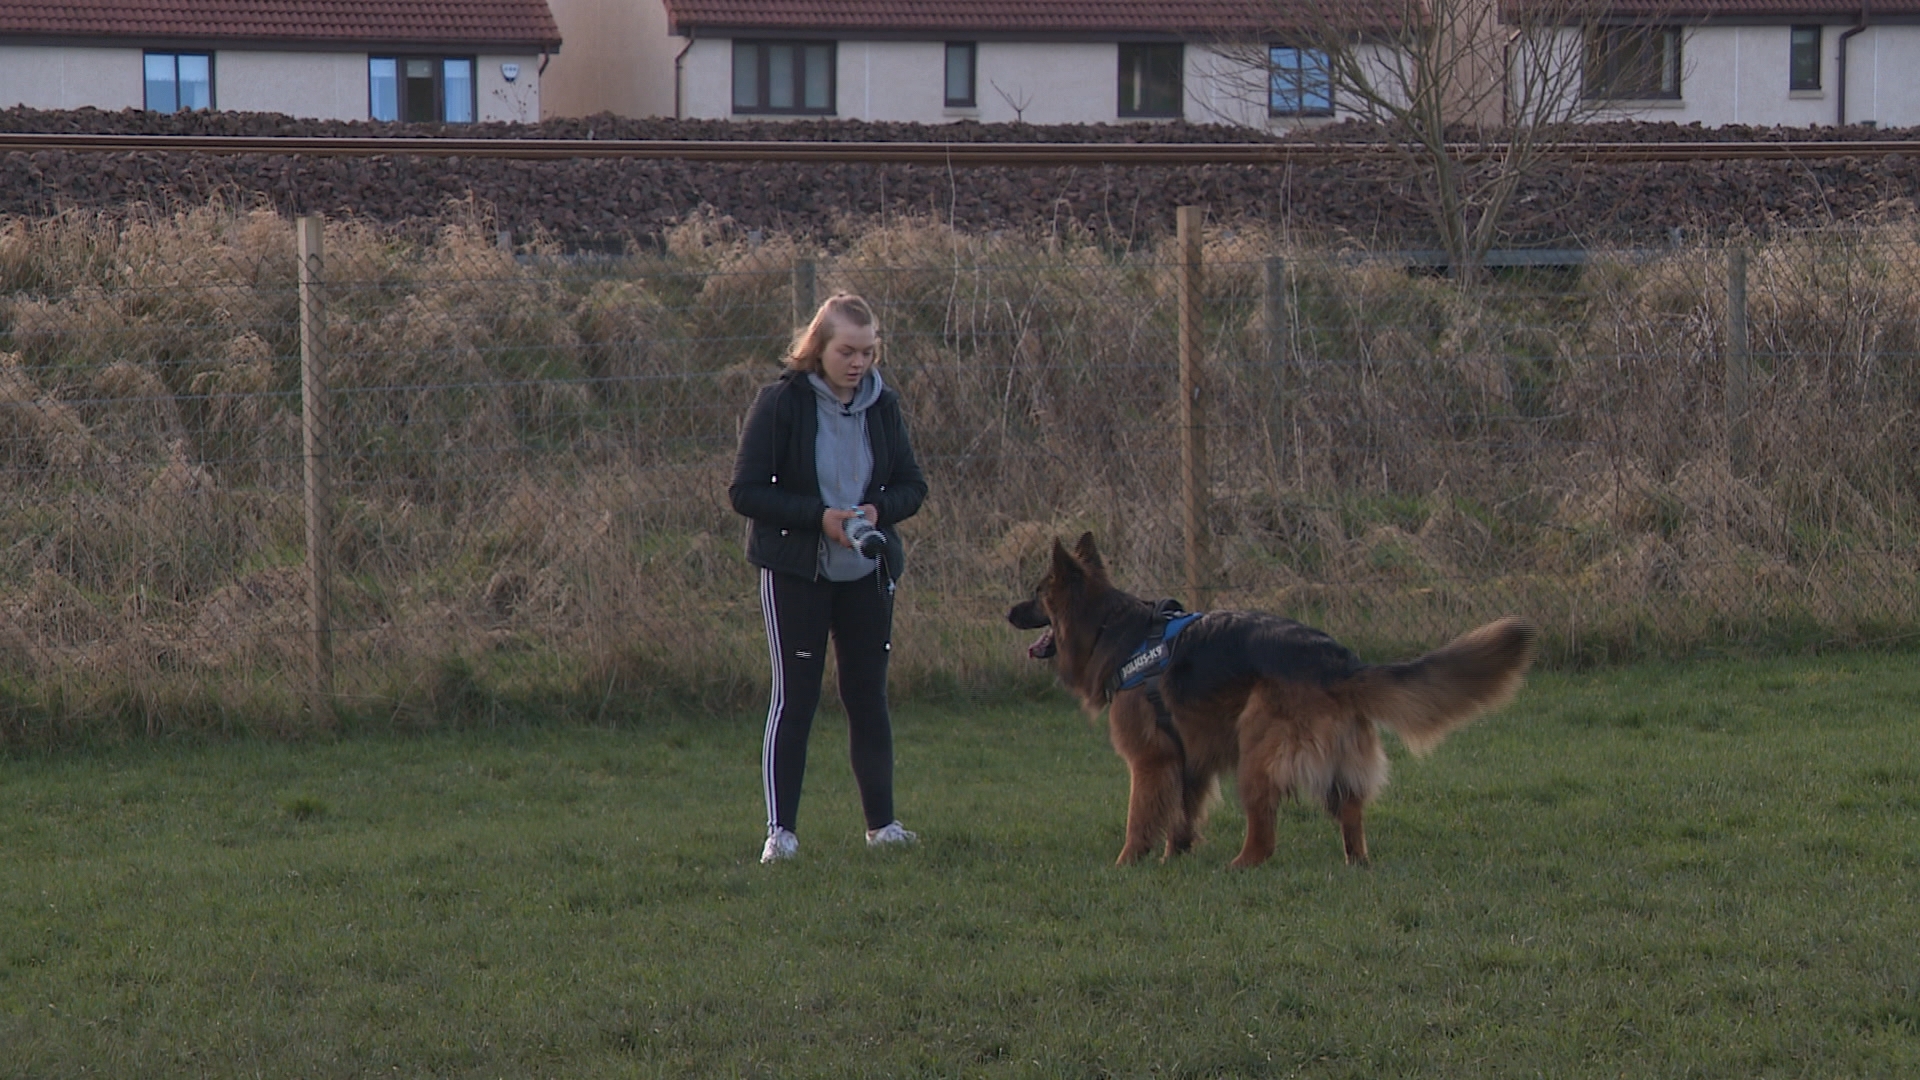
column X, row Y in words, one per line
column 178, row 81
column 819, row 77
column 163, row 90
column 383, row 88
column 196, row 81
column 458, row 83
column 960, row 73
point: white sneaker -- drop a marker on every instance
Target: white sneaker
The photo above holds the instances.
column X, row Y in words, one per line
column 892, row 834
column 781, row 846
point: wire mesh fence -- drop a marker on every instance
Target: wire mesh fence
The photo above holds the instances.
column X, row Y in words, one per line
column 525, row 454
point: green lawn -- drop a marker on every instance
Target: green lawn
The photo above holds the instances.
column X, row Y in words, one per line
column 1701, row 870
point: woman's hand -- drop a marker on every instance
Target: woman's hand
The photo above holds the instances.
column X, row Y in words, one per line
column 834, row 522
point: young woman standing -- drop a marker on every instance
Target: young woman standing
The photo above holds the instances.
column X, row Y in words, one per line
column 822, row 445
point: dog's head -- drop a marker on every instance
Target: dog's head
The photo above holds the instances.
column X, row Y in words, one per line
column 1072, row 580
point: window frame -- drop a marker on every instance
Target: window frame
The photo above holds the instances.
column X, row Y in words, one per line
column 1604, row 77
column 146, row 99
column 1795, row 53
column 1145, row 110
column 763, row 77
column 972, row 100
column 1302, row 89
column 440, row 98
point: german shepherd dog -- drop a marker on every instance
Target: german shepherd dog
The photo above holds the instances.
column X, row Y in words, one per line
column 1287, row 706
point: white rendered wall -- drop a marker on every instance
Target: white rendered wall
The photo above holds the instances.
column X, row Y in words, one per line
column 71, row 77
column 1039, row 82
column 517, row 101
column 706, row 79
column 313, row 85
column 905, row 80
column 320, row 86
column 1883, row 82
column 1051, row 82
column 1739, row 75
column 1224, row 86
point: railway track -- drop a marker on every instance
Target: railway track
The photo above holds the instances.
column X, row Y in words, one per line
column 925, row 153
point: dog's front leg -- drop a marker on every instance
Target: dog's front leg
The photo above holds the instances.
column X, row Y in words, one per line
column 1154, row 793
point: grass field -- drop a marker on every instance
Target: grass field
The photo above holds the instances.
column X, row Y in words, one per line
column 1700, row 870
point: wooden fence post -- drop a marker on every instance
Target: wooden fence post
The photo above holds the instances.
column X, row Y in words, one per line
column 1279, row 379
column 1193, row 431
column 803, row 291
column 315, row 428
column 1739, row 375
column 1276, row 313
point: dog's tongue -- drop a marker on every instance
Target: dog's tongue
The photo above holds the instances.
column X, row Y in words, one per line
column 1042, row 648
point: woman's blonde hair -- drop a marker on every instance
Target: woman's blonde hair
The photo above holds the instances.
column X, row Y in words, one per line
column 844, row 309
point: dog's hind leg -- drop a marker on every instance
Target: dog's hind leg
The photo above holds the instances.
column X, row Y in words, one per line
column 1260, row 796
column 1359, row 776
column 1197, row 792
column 1350, row 811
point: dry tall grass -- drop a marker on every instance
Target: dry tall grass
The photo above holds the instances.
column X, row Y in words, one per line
column 532, row 455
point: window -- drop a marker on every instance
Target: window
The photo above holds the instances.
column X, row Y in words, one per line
column 1803, row 59
column 1301, row 83
column 1633, row 63
column 1150, row 80
column 783, row 77
column 961, row 58
column 177, row 81
column 421, row 89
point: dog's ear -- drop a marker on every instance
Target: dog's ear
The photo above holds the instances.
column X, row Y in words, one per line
column 1066, row 569
column 1088, row 554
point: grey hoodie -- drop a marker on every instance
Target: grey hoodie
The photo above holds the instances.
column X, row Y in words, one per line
column 844, row 461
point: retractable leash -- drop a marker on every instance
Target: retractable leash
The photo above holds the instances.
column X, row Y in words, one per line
column 880, row 579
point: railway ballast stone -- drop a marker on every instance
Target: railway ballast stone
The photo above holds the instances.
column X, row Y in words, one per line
column 602, row 202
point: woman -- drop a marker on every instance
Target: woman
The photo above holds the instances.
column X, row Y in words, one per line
column 823, row 445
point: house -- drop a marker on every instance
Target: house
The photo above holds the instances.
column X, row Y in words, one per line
column 413, row 60
column 619, row 59
column 1766, row 63
column 1038, row 61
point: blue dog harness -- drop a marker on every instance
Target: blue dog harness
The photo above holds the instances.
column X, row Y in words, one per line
column 1143, row 669
column 1149, row 661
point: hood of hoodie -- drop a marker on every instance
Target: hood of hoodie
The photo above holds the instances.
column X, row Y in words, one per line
column 864, row 395
column 843, row 459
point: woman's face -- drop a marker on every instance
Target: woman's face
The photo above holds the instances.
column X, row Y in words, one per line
column 850, row 352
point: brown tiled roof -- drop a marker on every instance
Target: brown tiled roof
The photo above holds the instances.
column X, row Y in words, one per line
column 1772, row 9
column 395, row 22
column 1051, row 17
column 1699, row 10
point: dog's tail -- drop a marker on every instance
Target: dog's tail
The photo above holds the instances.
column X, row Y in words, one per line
column 1424, row 700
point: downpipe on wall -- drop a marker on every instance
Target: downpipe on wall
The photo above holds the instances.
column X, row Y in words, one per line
column 1840, row 75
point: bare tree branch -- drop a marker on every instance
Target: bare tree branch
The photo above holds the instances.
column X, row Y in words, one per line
column 1467, row 92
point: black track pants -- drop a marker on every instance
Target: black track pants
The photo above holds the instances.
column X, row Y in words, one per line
column 799, row 614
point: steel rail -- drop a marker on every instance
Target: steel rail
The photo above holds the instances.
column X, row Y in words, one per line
column 930, row 153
